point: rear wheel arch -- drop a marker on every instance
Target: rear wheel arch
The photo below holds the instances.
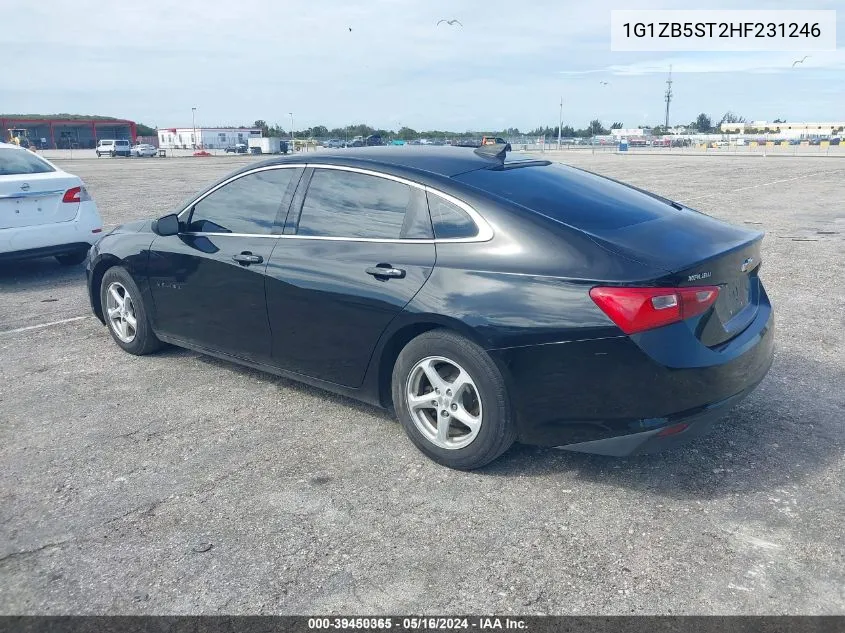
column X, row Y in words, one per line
column 400, row 338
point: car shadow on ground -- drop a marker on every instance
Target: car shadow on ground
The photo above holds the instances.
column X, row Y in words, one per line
column 268, row 378
column 26, row 273
column 778, row 436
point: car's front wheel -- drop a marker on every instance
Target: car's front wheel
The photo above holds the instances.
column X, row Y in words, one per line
column 451, row 399
column 125, row 313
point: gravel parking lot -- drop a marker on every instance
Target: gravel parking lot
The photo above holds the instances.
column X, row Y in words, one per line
column 176, row 483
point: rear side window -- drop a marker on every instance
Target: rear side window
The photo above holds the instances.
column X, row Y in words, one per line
column 449, row 220
column 246, row 205
column 349, row 204
column 577, row 198
column 21, row 161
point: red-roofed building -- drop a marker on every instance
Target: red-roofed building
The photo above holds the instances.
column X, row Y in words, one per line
column 58, row 133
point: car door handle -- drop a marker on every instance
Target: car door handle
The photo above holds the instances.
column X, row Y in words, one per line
column 246, row 258
column 386, row 271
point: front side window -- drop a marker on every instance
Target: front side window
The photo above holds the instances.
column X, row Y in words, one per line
column 349, row 204
column 21, row 161
column 246, row 205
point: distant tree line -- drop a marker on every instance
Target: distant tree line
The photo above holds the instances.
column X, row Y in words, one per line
column 409, row 134
column 703, row 124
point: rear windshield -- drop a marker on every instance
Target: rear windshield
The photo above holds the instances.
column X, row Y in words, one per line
column 21, row 161
column 106, row 142
column 123, row 142
column 577, row 198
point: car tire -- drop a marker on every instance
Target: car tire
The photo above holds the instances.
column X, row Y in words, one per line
column 112, row 154
column 98, row 154
column 482, row 401
column 140, row 339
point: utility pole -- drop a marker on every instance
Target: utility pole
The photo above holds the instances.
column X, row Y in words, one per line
column 292, row 140
column 668, row 98
column 194, row 125
column 560, row 124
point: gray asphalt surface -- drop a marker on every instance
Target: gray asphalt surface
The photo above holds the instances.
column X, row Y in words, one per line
column 176, row 483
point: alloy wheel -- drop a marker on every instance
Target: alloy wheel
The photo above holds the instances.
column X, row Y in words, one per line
column 121, row 312
column 444, row 402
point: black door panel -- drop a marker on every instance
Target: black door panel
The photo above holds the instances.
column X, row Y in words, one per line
column 327, row 312
column 208, row 282
column 204, row 296
column 338, row 281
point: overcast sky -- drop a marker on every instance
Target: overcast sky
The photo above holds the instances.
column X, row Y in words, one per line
column 237, row 61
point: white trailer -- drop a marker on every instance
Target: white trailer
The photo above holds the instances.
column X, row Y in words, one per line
column 265, row 145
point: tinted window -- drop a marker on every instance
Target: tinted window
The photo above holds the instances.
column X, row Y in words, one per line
column 246, row 205
column 449, row 220
column 21, row 161
column 576, row 197
column 348, row 204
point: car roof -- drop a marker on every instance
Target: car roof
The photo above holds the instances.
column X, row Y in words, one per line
column 441, row 160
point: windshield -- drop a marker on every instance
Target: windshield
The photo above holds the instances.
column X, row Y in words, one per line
column 21, row 161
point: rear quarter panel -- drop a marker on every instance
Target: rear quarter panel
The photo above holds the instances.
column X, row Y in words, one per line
column 528, row 285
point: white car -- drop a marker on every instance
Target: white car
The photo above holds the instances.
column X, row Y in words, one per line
column 144, row 149
column 44, row 211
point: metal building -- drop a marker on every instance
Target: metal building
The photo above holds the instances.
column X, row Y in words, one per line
column 58, row 133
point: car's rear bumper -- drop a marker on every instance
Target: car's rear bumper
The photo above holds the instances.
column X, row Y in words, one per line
column 675, row 431
column 610, row 396
column 32, row 241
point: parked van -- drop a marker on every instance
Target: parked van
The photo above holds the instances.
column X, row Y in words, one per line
column 111, row 147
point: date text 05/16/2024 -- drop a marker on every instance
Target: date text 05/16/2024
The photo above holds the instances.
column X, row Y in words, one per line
column 418, row 623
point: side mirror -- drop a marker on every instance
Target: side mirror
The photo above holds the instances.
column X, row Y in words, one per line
column 167, row 225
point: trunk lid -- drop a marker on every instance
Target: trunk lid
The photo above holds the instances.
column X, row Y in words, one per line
column 35, row 199
column 697, row 250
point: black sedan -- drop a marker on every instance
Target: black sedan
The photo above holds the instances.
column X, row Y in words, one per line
column 485, row 301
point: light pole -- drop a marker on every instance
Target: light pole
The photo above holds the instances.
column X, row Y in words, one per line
column 194, row 125
column 560, row 124
column 293, row 144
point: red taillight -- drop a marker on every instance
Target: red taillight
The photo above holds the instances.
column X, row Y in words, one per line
column 74, row 194
column 638, row 309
